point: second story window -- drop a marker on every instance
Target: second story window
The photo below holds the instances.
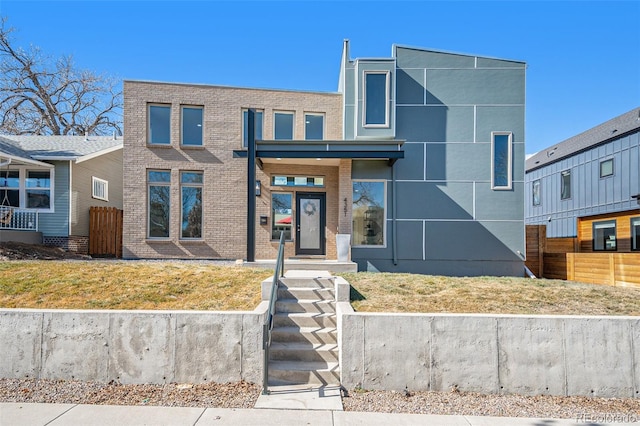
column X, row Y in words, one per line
column 257, row 125
column 191, row 126
column 376, row 99
column 565, row 185
column 314, row 126
column 606, row 168
column 159, row 119
column 283, row 125
column 501, row 164
column 535, row 189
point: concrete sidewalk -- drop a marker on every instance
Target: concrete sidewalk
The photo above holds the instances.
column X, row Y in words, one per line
column 15, row 414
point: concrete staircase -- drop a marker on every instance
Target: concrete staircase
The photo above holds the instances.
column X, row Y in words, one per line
column 304, row 347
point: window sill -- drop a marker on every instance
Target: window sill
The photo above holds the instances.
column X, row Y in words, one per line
column 158, row 240
column 159, row 145
column 192, row 147
column 192, row 242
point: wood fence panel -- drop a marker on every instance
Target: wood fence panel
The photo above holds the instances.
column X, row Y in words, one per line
column 536, row 236
column 561, row 245
column 105, row 232
column 555, row 266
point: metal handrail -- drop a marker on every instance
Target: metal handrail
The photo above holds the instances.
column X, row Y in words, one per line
column 268, row 323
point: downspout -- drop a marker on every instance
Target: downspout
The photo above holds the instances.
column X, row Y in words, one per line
column 394, row 241
column 70, row 197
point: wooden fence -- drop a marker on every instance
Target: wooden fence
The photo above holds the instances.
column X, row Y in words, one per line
column 105, row 232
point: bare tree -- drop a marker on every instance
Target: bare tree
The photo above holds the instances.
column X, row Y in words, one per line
column 42, row 96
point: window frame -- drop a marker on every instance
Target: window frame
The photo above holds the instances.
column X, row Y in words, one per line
column 22, row 188
column 149, row 133
column 536, row 183
column 634, row 240
column 315, row 114
column 199, row 185
column 245, row 137
column 615, row 234
column 105, row 185
column 387, row 100
column 293, row 124
column 509, row 185
column 385, row 216
column 564, row 196
column 194, row 107
column 153, row 184
column 602, row 162
column 291, row 194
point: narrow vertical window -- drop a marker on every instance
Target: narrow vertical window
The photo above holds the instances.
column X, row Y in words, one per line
column 501, row 165
column 283, row 125
column 192, row 125
column 565, row 185
column 635, row 233
column 606, row 168
column 159, row 119
column 159, row 189
column 281, row 215
column 376, row 99
column 536, row 192
column 191, row 184
column 604, row 236
column 100, row 188
column 369, row 213
column 257, row 125
column 314, row 126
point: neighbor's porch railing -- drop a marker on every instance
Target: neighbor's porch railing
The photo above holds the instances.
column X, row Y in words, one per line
column 268, row 323
column 18, row 220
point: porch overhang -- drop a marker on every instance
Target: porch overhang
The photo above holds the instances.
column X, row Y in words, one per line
column 301, row 150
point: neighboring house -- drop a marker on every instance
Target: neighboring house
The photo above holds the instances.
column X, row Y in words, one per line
column 418, row 157
column 588, row 187
column 48, row 184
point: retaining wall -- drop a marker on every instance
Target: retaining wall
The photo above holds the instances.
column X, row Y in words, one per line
column 132, row 346
column 530, row 355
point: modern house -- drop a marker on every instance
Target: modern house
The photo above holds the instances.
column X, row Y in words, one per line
column 588, row 187
column 49, row 183
column 418, row 159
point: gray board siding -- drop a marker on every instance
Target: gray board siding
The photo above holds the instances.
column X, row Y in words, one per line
column 57, row 224
column 590, row 194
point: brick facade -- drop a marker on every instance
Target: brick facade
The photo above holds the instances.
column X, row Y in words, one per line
column 224, row 193
column 71, row 243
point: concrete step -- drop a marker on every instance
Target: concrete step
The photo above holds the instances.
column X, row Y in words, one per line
column 304, row 335
column 313, row 282
column 303, row 351
column 309, row 293
column 304, row 319
column 305, row 305
column 299, row 372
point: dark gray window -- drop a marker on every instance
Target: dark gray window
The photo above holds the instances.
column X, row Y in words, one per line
column 159, row 186
column 606, row 168
column 565, row 185
column 191, row 184
column 192, row 126
column 369, row 216
column 604, row 236
column 635, row 233
column 281, row 215
column 283, row 126
column 257, row 125
column 375, row 98
column 501, row 168
column 314, row 126
column 159, row 124
column 535, row 190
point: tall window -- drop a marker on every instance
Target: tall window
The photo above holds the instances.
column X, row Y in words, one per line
column 159, row 189
column 635, row 233
column 314, row 126
column 10, row 188
column 535, row 190
column 191, row 190
column 283, row 125
column 501, row 165
column 604, row 236
column 192, row 125
column 376, row 102
column 257, row 125
column 38, row 190
column 369, row 215
column 565, row 185
column 281, row 215
column 606, row 168
column 159, row 118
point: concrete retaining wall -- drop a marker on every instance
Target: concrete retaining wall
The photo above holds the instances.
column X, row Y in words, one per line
column 530, row 355
column 132, row 346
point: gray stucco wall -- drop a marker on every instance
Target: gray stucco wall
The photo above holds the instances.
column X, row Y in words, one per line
column 448, row 218
column 590, row 194
column 57, row 224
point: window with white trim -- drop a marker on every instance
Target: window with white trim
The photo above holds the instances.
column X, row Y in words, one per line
column 27, row 188
column 159, row 199
column 159, row 127
column 369, row 213
column 501, row 163
column 100, row 188
column 376, row 99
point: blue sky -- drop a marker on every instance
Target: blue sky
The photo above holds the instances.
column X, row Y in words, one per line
column 583, row 56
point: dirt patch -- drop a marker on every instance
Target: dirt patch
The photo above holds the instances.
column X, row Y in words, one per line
column 12, row 250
